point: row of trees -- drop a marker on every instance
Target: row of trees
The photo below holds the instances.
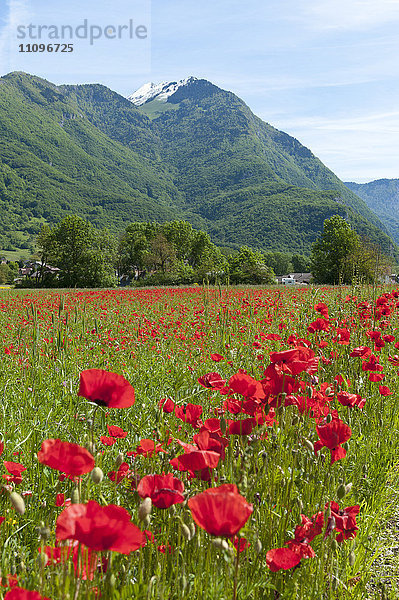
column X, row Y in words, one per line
column 146, row 253
column 173, row 252
column 340, row 256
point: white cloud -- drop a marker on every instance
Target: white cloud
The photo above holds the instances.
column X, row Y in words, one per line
column 17, row 12
column 349, row 14
column 357, row 148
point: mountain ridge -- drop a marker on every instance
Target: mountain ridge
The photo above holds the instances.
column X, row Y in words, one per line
column 207, row 158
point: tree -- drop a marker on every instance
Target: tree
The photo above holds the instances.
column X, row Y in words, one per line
column 83, row 254
column 330, row 253
column 247, row 266
column 300, row 263
column 162, row 253
column 8, row 272
column 280, row 262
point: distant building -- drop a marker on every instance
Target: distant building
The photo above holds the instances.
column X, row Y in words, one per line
column 294, row 279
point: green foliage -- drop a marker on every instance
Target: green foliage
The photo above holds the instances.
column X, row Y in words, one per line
column 174, row 248
column 341, row 256
column 248, row 266
column 382, row 197
column 207, row 160
column 83, row 254
column 331, row 251
column 8, row 272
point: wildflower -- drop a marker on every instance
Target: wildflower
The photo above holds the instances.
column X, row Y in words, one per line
column 17, row 593
column 106, row 389
column 100, row 527
column 164, row 490
column 282, row 559
column 221, row 511
column 66, row 457
column 332, row 435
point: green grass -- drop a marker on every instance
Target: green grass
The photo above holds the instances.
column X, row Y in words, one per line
column 161, row 340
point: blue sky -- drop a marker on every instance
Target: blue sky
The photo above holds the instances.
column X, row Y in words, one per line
column 324, row 71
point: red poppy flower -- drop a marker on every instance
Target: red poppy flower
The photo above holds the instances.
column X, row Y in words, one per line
column 196, row 460
column 212, row 380
column 296, row 360
column 106, row 389
column 100, row 527
column 167, row 405
column 345, row 521
column 122, row 472
column 221, row 511
column 68, row 458
column 116, row 432
column 246, row 386
column 14, row 468
column 376, row 377
column 282, row 559
column 372, row 364
column 209, row 440
column 241, row 427
column 164, row 490
column 107, row 441
column 332, row 435
column 322, row 309
column 240, row 544
column 189, row 414
column 347, row 399
column 85, row 561
column 217, row 357
column 17, row 593
column 146, row 448
column 362, row 351
column 319, row 325
column 384, row 390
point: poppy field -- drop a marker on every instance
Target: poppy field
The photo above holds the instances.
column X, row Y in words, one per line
column 210, row 443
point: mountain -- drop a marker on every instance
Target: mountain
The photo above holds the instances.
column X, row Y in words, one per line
column 177, row 150
column 382, row 197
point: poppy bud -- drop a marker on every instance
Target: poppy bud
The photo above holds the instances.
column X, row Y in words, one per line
column 44, row 532
column 258, row 546
column 309, row 445
column 348, row 487
column 75, row 496
column 334, row 545
column 221, row 544
column 119, row 460
column 345, row 445
column 191, row 527
column 97, row 475
column 144, row 509
column 186, row 532
column 328, row 391
column 352, row 558
column 329, row 418
column 41, row 561
column 91, row 447
column 223, row 425
column 341, row 491
column 300, row 505
column 18, row 503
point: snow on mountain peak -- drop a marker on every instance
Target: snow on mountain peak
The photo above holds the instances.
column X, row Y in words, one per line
column 159, row 91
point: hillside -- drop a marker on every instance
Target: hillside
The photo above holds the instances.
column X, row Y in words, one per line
column 382, row 197
column 197, row 153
